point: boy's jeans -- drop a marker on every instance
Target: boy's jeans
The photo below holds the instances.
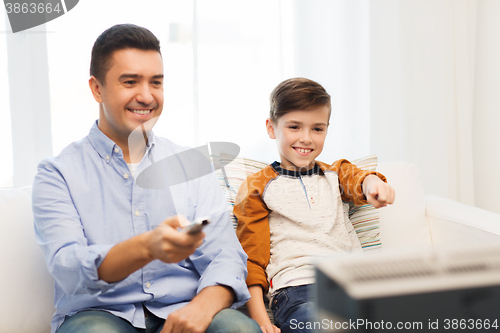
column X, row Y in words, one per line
column 293, row 309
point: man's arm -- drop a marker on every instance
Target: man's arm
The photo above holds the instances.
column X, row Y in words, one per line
column 79, row 267
column 198, row 314
column 70, row 259
column 164, row 243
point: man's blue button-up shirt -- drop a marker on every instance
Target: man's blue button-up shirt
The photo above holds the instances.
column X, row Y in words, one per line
column 85, row 201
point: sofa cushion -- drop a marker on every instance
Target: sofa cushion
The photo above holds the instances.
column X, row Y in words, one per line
column 455, row 223
column 231, row 172
column 404, row 223
column 26, row 287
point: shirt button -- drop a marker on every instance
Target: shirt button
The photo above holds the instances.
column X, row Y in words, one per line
column 148, row 285
column 137, row 213
column 107, row 157
column 117, row 150
column 125, row 175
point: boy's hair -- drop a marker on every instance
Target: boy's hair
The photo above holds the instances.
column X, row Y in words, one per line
column 297, row 94
column 119, row 37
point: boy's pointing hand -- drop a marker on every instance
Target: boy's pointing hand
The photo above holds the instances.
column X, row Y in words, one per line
column 378, row 193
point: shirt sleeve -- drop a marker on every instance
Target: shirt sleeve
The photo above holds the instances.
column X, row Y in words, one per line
column 221, row 259
column 253, row 230
column 59, row 232
column 351, row 181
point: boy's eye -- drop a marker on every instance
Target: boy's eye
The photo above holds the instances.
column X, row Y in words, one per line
column 293, row 127
column 318, row 129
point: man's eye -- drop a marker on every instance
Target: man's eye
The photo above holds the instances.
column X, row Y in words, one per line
column 157, row 83
column 130, row 82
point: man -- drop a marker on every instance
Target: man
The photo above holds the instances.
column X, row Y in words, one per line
column 120, row 261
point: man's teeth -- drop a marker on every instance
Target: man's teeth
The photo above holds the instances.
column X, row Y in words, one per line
column 141, row 111
column 303, row 150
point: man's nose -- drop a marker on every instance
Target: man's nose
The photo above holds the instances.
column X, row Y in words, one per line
column 144, row 95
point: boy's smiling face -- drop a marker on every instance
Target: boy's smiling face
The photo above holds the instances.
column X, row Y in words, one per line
column 300, row 136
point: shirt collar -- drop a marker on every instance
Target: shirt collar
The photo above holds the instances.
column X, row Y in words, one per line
column 105, row 147
column 316, row 170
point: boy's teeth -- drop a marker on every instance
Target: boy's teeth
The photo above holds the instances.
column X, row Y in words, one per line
column 141, row 111
column 303, row 150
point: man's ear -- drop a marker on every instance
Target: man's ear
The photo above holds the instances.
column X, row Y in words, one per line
column 270, row 128
column 95, row 88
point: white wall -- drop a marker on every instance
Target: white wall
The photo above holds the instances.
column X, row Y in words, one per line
column 413, row 88
column 487, row 107
column 29, row 103
column 435, row 93
column 413, row 80
column 332, row 48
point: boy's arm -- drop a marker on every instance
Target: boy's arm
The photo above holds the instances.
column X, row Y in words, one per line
column 258, row 312
column 378, row 193
column 253, row 229
column 351, row 181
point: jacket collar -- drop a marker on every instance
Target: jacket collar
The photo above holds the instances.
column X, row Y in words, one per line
column 316, row 170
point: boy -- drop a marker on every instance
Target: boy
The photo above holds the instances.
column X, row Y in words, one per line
column 292, row 210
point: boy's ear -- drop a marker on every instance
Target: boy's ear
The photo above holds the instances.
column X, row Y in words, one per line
column 95, row 88
column 270, row 128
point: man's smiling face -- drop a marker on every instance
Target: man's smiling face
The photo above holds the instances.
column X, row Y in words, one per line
column 300, row 136
column 132, row 92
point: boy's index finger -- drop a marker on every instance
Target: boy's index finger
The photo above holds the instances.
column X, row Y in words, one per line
column 374, row 192
column 382, row 197
column 386, row 194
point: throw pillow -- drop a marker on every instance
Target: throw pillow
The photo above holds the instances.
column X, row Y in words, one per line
column 365, row 219
column 231, row 173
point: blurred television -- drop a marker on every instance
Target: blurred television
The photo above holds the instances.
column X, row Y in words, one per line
column 425, row 290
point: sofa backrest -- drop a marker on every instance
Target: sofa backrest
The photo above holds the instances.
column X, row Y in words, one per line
column 404, row 223
column 26, row 287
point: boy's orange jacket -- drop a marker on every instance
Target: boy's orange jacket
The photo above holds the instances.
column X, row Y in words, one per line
column 250, row 209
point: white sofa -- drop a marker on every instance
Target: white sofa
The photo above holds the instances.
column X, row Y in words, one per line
column 26, row 299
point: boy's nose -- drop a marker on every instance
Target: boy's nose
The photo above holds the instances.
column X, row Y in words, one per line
column 305, row 138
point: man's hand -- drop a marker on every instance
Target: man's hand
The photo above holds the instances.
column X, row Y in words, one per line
column 378, row 193
column 190, row 318
column 196, row 316
column 168, row 245
column 164, row 243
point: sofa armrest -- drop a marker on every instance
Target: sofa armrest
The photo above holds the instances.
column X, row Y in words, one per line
column 452, row 222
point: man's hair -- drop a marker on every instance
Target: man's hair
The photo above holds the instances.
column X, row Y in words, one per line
column 297, row 94
column 119, row 37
